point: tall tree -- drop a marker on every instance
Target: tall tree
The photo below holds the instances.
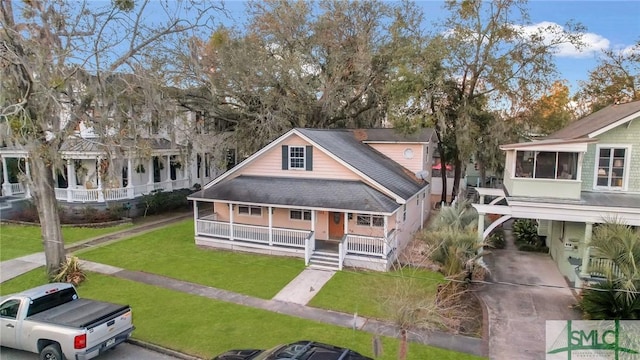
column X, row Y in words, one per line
column 552, row 111
column 59, row 58
column 616, row 78
column 496, row 60
column 319, row 64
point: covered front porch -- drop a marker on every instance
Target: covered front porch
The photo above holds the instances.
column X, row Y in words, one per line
column 324, row 238
column 90, row 176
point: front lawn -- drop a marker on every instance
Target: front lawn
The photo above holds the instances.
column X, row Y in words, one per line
column 171, row 251
column 20, row 240
column 203, row 327
column 367, row 293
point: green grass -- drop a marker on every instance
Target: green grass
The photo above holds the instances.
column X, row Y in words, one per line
column 171, row 251
column 20, row 240
column 367, row 292
column 204, row 327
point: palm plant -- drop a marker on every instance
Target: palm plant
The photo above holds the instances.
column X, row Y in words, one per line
column 452, row 238
column 620, row 245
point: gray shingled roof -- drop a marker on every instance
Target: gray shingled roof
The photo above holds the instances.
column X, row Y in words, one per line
column 313, row 193
column 588, row 198
column 364, row 158
column 596, row 121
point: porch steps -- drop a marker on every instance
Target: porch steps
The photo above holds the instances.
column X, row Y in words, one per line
column 325, row 260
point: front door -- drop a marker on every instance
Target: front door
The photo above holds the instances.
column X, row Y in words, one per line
column 336, row 225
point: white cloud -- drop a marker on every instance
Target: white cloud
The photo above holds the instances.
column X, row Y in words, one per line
column 593, row 43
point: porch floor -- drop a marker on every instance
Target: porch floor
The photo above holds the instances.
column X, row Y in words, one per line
column 327, row 245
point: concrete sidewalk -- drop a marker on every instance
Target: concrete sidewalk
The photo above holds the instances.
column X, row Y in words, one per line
column 291, row 300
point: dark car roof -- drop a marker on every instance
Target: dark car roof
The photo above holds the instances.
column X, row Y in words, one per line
column 310, row 350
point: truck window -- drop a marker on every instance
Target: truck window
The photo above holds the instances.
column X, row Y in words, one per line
column 10, row 309
column 51, row 300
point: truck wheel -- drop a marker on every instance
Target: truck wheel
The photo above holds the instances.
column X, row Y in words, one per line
column 51, row 352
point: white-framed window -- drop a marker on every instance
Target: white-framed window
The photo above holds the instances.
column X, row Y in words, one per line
column 296, row 157
column 547, row 165
column 370, row 220
column 296, row 214
column 611, row 166
column 250, row 210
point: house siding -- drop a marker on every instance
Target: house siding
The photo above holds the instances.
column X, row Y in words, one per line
column 628, row 134
column 396, row 151
column 324, row 167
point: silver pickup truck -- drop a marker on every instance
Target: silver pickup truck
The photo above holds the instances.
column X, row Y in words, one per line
column 53, row 321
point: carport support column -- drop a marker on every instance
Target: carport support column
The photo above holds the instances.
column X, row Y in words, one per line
column 270, row 226
column 480, row 232
column 588, row 232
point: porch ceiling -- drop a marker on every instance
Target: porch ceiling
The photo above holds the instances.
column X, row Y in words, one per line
column 296, row 192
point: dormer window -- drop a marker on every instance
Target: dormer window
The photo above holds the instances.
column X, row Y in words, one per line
column 297, row 157
column 612, row 162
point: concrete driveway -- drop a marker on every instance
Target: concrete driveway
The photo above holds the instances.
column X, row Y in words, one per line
column 517, row 313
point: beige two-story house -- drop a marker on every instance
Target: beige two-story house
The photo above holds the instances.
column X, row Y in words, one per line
column 333, row 197
column 583, row 175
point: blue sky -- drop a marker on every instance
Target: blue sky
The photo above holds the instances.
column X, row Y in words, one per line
column 610, row 25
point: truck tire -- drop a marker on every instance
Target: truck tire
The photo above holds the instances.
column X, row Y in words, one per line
column 51, row 352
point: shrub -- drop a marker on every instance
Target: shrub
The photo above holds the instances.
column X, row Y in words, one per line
column 159, row 201
column 526, row 231
column 605, row 301
column 71, row 272
column 496, row 239
column 533, row 248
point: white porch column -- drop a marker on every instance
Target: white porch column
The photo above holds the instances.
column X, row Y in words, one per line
column 385, row 248
column 99, row 176
column 150, row 174
column 270, row 209
column 168, row 173
column 130, row 191
column 313, row 221
column 480, row 232
column 70, row 179
column 231, row 221
column 6, row 187
column 586, row 250
column 195, row 216
column 346, row 223
column 27, row 190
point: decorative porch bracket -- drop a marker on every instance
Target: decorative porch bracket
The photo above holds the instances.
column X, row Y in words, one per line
column 494, row 225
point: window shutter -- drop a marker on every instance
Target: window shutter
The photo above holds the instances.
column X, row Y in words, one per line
column 309, row 155
column 285, row 157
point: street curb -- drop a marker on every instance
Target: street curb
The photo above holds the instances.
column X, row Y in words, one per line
column 162, row 350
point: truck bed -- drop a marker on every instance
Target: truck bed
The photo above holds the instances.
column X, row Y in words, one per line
column 80, row 313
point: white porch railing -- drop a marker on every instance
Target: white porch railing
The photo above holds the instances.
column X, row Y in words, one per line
column 281, row 237
column 111, row 194
column 16, row 188
column 598, row 266
column 371, row 245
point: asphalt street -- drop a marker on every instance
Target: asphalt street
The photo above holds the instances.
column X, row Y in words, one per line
column 123, row 351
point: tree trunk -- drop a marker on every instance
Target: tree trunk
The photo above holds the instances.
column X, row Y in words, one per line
column 457, row 174
column 42, row 187
column 443, row 172
column 402, row 352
